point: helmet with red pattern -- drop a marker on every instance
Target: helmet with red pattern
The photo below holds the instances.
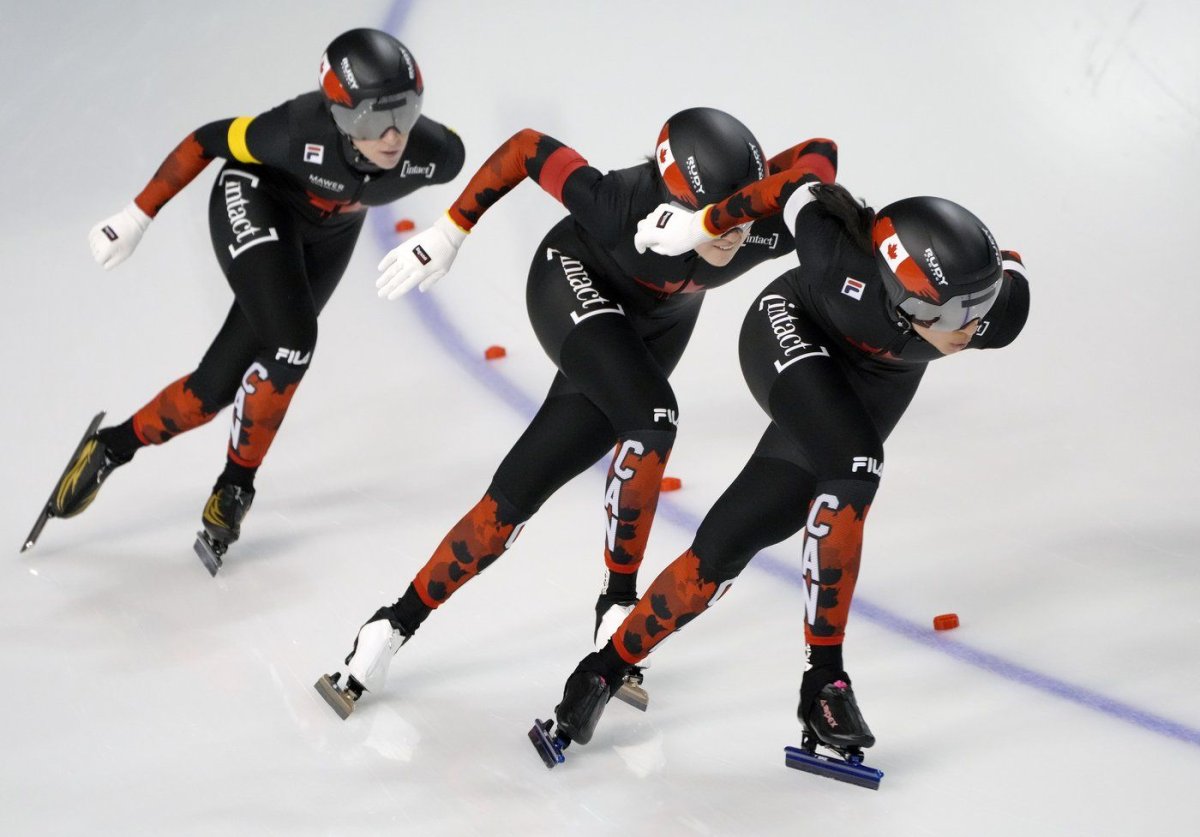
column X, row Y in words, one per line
column 372, row 83
column 704, row 155
column 940, row 264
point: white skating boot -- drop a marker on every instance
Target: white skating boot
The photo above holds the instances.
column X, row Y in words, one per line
column 367, row 665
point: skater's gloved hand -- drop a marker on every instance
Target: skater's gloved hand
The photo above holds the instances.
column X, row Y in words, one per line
column 420, row 261
column 114, row 239
column 671, row 230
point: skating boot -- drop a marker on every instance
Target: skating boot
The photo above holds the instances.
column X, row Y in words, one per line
column 367, row 665
column 86, row 471
column 610, row 613
column 223, row 515
column 831, row 718
column 586, row 694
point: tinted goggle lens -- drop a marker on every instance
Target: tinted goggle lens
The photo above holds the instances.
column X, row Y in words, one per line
column 955, row 312
column 373, row 118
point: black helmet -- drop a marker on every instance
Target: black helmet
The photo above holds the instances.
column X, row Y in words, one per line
column 705, row 155
column 940, row 264
column 372, row 83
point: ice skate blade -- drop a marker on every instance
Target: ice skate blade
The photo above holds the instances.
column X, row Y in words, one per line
column 633, row 694
column 339, row 700
column 42, row 518
column 209, row 552
column 550, row 749
column 844, row 770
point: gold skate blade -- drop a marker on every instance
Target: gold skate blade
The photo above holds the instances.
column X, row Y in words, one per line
column 339, row 700
column 634, row 695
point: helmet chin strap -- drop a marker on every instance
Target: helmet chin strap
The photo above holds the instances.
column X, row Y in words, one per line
column 355, row 157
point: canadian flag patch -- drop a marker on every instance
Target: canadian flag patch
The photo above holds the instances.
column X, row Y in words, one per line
column 853, row 288
column 893, row 251
column 663, row 156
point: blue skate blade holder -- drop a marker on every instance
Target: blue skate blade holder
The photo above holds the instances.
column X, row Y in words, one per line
column 850, row 770
column 550, row 749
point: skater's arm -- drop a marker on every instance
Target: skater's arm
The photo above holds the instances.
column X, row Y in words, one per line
column 671, row 231
column 246, row 139
column 1006, row 318
column 178, row 170
column 527, row 154
column 818, row 154
column 812, row 161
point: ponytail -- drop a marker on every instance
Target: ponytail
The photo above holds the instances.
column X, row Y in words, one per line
column 857, row 218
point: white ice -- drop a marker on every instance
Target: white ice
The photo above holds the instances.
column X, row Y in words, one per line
column 1046, row 493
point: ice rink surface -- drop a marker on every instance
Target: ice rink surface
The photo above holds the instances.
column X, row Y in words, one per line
column 1046, row 493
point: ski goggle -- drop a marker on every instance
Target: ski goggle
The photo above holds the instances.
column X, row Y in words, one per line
column 373, row 118
column 955, row 312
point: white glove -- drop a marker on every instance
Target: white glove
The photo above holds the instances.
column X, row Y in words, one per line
column 671, row 230
column 420, row 261
column 114, row 239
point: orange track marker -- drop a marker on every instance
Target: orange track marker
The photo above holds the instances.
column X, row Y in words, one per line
column 671, row 483
column 945, row 622
column 405, row 225
column 494, row 352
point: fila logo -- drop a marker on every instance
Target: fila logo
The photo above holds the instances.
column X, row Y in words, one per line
column 853, row 288
column 665, row 414
column 293, row 357
column 314, row 153
column 869, row 464
column 421, row 255
column 663, row 219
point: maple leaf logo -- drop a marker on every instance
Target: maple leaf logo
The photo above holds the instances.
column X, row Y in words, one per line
column 662, row 155
column 892, row 252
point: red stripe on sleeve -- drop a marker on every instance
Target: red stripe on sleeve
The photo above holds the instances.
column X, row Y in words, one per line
column 558, row 167
column 819, row 165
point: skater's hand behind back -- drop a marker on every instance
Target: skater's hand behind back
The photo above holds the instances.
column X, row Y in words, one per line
column 114, row 239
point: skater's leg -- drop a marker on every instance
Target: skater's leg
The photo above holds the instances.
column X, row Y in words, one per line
column 594, row 341
column 763, row 506
column 566, row 436
column 194, row 399
column 610, row 364
column 835, row 413
column 280, row 285
column 183, row 405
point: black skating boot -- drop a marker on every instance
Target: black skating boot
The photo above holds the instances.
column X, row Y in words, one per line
column 224, row 512
column 831, row 719
column 829, row 711
column 611, row 611
column 587, row 692
column 584, row 697
column 88, row 470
